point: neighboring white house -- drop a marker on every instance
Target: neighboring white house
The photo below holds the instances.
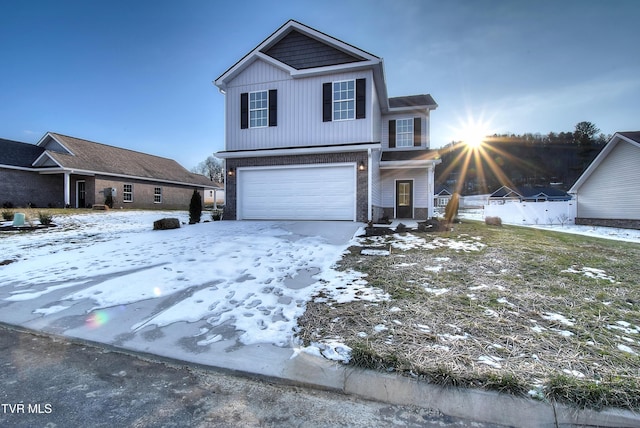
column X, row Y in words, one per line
column 312, row 134
column 608, row 192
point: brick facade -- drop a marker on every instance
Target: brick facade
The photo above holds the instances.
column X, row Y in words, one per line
column 608, row 222
column 174, row 196
column 362, row 194
column 23, row 188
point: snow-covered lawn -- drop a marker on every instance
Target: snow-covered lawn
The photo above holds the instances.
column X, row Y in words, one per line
column 253, row 276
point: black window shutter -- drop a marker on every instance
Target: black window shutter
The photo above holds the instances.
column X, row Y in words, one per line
column 417, row 132
column 273, row 107
column 327, row 96
column 392, row 134
column 244, row 110
column 361, row 98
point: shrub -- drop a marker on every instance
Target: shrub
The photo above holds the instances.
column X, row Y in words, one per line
column 493, row 221
column 45, row 218
column 7, row 215
column 195, row 208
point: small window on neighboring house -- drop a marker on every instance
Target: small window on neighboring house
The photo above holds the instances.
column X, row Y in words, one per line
column 404, row 132
column 127, row 193
column 157, row 195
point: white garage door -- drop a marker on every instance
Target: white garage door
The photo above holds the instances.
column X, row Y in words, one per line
column 297, row 193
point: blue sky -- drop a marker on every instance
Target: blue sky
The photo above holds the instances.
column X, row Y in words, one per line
column 138, row 74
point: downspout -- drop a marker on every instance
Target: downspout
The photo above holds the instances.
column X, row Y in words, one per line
column 369, row 186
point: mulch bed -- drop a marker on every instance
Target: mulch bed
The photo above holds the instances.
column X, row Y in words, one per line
column 26, row 228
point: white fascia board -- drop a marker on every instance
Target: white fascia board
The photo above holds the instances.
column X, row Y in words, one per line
column 42, row 157
column 109, row 174
column 296, row 151
column 330, row 69
column 18, row 168
column 247, row 61
column 409, row 164
column 48, row 134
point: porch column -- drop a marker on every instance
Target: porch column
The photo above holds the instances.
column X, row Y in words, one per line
column 430, row 190
column 67, row 189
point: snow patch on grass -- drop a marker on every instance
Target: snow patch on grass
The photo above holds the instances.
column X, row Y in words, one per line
column 590, row 273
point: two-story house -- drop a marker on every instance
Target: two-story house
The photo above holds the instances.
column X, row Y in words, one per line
column 311, row 134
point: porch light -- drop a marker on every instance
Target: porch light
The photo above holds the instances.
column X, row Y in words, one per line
column 361, row 166
column 231, row 171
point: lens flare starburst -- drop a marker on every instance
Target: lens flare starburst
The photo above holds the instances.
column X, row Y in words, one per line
column 478, row 156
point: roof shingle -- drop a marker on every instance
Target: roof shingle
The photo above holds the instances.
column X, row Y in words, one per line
column 15, row 153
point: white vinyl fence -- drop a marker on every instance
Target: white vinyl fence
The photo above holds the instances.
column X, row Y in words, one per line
column 560, row 212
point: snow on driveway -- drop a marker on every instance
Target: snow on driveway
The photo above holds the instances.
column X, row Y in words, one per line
column 253, row 276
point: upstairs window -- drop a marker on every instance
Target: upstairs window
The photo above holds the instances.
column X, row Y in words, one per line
column 404, row 132
column 344, row 100
column 127, row 193
column 258, row 109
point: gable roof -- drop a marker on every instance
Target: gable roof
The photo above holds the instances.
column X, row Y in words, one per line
column 15, row 153
column 301, row 51
column 83, row 156
column 632, row 137
column 313, row 52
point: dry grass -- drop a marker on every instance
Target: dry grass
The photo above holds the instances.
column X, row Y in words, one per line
column 525, row 313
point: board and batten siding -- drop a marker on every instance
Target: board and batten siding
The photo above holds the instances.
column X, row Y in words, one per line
column 388, row 178
column 612, row 191
column 424, row 130
column 299, row 111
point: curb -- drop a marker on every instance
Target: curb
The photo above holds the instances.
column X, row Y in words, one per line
column 319, row 373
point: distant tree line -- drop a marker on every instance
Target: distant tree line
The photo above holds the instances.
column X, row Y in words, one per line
column 530, row 159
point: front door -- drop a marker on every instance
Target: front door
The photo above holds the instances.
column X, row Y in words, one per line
column 82, row 194
column 404, row 199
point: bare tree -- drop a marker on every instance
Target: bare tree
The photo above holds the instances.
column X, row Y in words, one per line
column 210, row 167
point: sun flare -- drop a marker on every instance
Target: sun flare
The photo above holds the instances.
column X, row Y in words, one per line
column 474, row 134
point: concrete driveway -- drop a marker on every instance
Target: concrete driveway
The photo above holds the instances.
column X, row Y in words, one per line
column 225, row 294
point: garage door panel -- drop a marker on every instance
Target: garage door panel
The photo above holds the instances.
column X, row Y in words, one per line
column 303, row 193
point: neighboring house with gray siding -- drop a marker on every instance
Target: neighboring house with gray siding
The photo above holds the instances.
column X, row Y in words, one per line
column 607, row 193
column 63, row 171
column 311, row 133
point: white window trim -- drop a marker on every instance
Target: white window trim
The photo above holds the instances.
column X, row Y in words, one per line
column 157, row 194
column 398, row 133
column 334, row 101
column 125, row 193
column 266, row 109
